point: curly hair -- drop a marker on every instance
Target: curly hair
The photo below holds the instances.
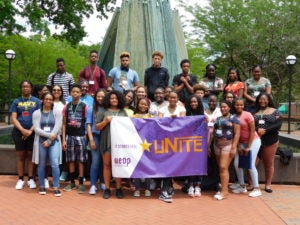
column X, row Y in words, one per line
column 120, row 97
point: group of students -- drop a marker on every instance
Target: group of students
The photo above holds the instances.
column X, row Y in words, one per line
column 47, row 125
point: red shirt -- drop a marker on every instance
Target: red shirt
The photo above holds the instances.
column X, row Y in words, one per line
column 234, row 87
column 96, row 78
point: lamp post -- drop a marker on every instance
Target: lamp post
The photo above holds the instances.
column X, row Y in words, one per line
column 290, row 61
column 10, row 55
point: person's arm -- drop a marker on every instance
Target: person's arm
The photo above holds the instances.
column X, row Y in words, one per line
column 160, row 114
column 16, row 123
column 146, row 80
column 276, row 125
column 36, row 119
column 103, row 79
column 251, row 137
column 81, row 75
column 101, row 125
column 110, row 81
column 167, row 78
column 57, row 126
column 91, row 137
column 246, row 95
column 136, row 82
column 176, row 80
column 237, row 130
column 182, row 113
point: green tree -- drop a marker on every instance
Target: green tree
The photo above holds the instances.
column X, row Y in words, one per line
column 243, row 33
column 65, row 14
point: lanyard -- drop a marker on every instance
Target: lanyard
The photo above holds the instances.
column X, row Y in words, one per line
column 47, row 118
column 23, row 100
column 74, row 112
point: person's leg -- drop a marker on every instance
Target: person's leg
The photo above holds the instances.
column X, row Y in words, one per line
column 21, row 155
column 224, row 173
column 253, row 171
column 107, row 169
column 29, row 164
column 54, row 154
column 43, row 152
column 268, row 155
column 239, row 171
column 94, row 170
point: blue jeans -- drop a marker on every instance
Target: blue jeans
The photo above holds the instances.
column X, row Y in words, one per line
column 53, row 153
column 96, row 169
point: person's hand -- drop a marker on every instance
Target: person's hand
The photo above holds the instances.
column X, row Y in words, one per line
column 246, row 151
column 108, row 119
column 45, row 144
column 53, row 137
column 93, row 145
column 173, row 116
column 261, row 131
column 64, row 145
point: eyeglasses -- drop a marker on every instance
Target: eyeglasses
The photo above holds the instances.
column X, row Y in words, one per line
column 56, row 90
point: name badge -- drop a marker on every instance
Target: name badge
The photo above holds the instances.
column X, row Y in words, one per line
column 91, row 82
column 256, row 93
column 47, row 129
column 25, row 113
column 261, row 122
column 210, row 124
column 219, row 132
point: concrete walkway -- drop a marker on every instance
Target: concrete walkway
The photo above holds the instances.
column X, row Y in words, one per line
column 28, row 207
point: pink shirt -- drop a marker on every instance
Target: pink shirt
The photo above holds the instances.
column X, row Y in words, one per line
column 245, row 119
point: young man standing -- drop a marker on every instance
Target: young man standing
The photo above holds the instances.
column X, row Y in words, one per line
column 156, row 75
column 122, row 78
column 61, row 77
column 73, row 137
column 183, row 83
column 93, row 74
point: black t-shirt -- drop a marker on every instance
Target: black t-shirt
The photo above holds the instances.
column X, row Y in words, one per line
column 184, row 93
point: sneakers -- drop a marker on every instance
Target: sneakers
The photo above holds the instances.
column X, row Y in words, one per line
column 102, row 186
column 46, row 183
column 57, row 193
column 255, row 193
column 106, row 194
column 219, row 196
column 165, row 197
column 119, row 193
column 92, row 190
column 63, row 176
column 197, row 192
column 234, row 186
column 147, row 193
column 31, row 184
column 81, row 189
column 20, row 184
column 42, row 191
column 240, row 190
column 136, row 193
column 70, row 187
column 191, row 191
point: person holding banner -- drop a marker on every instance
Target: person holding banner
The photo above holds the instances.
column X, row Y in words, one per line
column 194, row 107
column 113, row 103
column 226, row 136
column 248, row 147
column 172, row 110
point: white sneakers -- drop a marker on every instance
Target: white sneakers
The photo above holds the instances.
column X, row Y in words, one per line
column 92, row 190
column 31, row 184
column 255, row 193
column 239, row 190
column 191, row 191
column 47, row 183
column 194, row 192
column 20, row 184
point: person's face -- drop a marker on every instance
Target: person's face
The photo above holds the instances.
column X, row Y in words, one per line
column 84, row 88
column 173, row 99
column 99, row 97
column 60, row 66
column 26, row 88
column 94, row 58
column 194, row 103
column 211, row 71
column 185, row 68
column 129, row 98
column 239, row 106
column 229, row 97
column 167, row 92
column 263, row 101
column 212, row 103
column 159, row 95
column 200, row 93
column 140, row 93
column 43, row 91
column 76, row 93
column 113, row 100
column 143, row 106
column 56, row 91
column 125, row 61
column 232, row 75
column 48, row 100
column 156, row 61
column 224, row 109
column 257, row 73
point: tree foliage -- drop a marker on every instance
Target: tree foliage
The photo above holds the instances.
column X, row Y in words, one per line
column 64, row 14
column 243, row 33
column 35, row 60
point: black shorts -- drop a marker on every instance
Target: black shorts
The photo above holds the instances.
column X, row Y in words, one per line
column 20, row 144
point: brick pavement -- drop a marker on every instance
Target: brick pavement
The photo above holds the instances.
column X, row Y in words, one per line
column 28, row 207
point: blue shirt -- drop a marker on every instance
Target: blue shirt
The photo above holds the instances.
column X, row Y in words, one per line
column 24, row 107
column 87, row 99
column 91, row 119
column 123, row 80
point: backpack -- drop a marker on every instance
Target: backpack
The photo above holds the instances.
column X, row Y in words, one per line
column 285, row 154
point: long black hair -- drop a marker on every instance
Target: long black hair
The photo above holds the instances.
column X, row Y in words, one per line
column 120, row 97
column 228, row 81
column 96, row 105
column 192, row 112
column 270, row 100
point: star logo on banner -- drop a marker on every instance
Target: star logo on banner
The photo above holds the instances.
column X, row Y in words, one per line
column 146, row 146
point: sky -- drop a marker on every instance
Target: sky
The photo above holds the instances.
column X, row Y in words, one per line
column 96, row 35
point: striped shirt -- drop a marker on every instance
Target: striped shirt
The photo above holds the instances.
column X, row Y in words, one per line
column 65, row 80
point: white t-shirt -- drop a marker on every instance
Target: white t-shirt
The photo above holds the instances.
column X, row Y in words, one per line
column 166, row 113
